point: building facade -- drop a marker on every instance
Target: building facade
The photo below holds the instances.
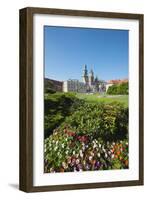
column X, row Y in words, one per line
column 89, row 83
column 73, row 85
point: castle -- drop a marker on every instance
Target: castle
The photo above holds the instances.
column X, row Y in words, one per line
column 89, row 83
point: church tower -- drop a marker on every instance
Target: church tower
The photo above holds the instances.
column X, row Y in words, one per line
column 85, row 75
column 91, row 78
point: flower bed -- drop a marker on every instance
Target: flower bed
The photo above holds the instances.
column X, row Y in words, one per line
column 68, row 152
column 92, row 137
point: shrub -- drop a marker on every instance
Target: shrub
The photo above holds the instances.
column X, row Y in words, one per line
column 118, row 89
column 57, row 106
column 106, row 121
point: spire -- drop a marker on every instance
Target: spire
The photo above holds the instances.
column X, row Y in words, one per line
column 85, row 71
column 85, row 74
column 91, row 77
column 96, row 79
column 91, row 73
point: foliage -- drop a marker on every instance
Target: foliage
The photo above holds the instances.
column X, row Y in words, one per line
column 82, row 136
column 106, row 121
column 118, row 89
column 57, row 106
column 49, row 86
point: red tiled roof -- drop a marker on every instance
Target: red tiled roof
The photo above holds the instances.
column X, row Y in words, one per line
column 118, row 81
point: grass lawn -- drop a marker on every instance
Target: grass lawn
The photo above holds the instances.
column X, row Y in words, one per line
column 93, row 98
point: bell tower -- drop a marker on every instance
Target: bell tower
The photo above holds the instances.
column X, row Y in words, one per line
column 85, row 75
column 91, row 77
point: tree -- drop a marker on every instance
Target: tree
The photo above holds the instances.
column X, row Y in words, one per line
column 118, row 89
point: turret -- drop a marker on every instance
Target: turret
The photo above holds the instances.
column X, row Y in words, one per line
column 96, row 79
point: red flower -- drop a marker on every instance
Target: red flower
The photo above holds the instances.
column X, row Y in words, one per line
column 82, row 138
column 71, row 133
column 65, row 130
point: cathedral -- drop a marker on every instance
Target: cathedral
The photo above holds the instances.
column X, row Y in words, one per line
column 93, row 84
column 89, row 83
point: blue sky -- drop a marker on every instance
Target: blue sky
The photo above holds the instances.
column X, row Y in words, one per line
column 67, row 50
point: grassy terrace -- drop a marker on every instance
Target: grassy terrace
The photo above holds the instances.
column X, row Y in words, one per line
column 94, row 98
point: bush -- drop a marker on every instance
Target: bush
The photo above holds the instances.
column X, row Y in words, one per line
column 57, row 106
column 118, row 89
column 106, row 121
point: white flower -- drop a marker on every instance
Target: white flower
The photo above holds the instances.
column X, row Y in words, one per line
column 80, row 151
column 91, row 153
column 84, row 162
column 112, row 156
column 81, row 155
column 55, row 148
column 94, row 145
column 100, row 145
column 69, row 160
column 66, row 152
column 77, row 155
column 64, row 165
column 77, row 161
column 56, row 142
column 62, row 145
column 104, row 150
column 90, row 157
column 83, row 148
column 75, row 170
column 99, row 155
column 73, row 152
column 52, row 170
column 106, row 155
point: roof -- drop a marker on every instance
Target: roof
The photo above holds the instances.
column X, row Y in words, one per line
column 117, row 81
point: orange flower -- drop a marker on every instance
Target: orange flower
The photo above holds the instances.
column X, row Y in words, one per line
column 118, row 153
column 61, row 169
column 120, row 145
column 120, row 158
column 126, row 162
column 112, row 150
column 93, row 162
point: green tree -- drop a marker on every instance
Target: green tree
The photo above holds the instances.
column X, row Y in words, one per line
column 118, row 89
